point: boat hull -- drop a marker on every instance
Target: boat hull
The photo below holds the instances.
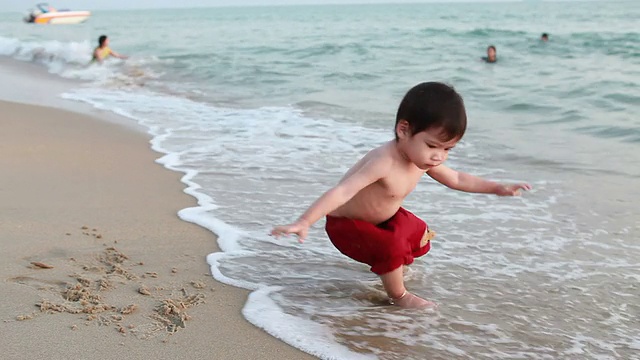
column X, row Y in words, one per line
column 62, row 17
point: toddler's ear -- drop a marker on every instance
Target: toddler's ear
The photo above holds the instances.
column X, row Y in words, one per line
column 403, row 129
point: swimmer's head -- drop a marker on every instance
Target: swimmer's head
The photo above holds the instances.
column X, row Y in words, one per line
column 544, row 37
column 491, row 51
column 491, row 54
column 103, row 40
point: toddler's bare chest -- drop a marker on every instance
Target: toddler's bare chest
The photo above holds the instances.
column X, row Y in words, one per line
column 400, row 185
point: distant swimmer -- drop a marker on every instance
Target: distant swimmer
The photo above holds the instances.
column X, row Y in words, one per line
column 103, row 50
column 544, row 37
column 491, row 55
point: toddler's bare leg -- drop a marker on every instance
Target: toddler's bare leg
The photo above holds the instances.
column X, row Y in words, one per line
column 393, row 282
column 394, row 286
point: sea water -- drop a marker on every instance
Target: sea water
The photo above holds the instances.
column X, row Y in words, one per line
column 264, row 108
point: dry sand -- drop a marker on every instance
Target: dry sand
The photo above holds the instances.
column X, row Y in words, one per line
column 94, row 260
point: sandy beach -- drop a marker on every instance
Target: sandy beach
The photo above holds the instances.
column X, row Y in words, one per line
column 95, row 262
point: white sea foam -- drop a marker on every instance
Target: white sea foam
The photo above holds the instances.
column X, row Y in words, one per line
column 49, row 52
column 304, row 334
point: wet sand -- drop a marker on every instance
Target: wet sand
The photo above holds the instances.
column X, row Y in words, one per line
column 95, row 261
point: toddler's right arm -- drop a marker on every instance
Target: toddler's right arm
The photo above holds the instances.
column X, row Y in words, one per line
column 371, row 171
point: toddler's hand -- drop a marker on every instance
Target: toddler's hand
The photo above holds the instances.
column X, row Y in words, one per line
column 300, row 228
column 511, row 189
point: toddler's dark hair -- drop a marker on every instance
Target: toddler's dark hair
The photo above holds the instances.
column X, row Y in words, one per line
column 433, row 105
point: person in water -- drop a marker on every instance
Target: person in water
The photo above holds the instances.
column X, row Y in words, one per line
column 103, row 50
column 364, row 217
column 544, row 37
column 491, row 54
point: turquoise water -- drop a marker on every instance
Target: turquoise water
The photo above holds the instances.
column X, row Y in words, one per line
column 265, row 108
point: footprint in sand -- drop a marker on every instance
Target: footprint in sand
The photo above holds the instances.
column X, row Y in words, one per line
column 109, row 274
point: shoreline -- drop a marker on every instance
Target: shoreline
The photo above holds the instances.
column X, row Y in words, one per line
column 32, row 84
column 127, row 276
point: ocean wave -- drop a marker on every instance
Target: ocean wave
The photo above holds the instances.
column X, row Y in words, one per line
column 46, row 52
column 73, row 60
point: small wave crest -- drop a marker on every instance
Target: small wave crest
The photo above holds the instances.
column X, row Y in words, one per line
column 72, row 60
column 52, row 53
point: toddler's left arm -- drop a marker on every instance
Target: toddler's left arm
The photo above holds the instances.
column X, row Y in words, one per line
column 469, row 183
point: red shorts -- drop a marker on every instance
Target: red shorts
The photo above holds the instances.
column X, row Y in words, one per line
column 385, row 246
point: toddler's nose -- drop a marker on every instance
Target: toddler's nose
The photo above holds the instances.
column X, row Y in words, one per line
column 438, row 156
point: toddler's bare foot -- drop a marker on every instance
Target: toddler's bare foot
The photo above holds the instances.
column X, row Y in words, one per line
column 410, row 301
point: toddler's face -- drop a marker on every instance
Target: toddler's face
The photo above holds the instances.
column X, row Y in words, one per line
column 427, row 149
